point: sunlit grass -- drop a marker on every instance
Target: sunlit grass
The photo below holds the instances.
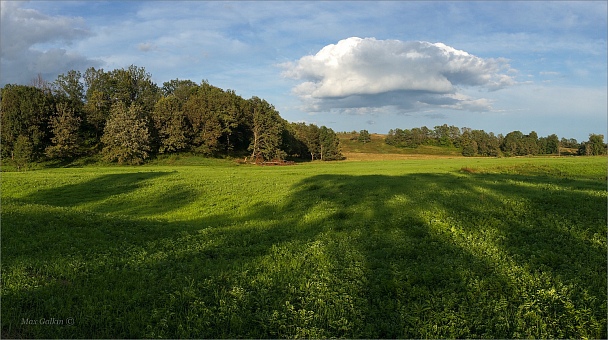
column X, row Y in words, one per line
column 410, row 249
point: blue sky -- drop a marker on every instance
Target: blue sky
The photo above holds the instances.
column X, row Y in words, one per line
column 497, row 65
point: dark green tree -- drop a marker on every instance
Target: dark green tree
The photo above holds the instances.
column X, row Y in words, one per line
column 182, row 89
column 134, row 85
column 394, row 137
column 267, row 130
column 25, row 112
column 310, row 136
column 69, row 88
column 529, row 144
column 204, row 121
column 293, row 140
column 487, row 143
column 511, row 144
column 126, row 138
column 469, row 148
column 65, row 129
column 170, row 124
column 549, row 145
column 329, row 144
column 455, row 135
column 469, row 145
column 23, row 152
column 131, row 85
column 442, row 135
column 595, row 146
column 364, row 137
column 569, row 143
column 98, row 101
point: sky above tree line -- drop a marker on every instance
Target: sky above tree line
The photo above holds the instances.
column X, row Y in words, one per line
column 499, row 66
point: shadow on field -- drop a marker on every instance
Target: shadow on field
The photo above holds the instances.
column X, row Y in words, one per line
column 413, row 256
column 110, row 194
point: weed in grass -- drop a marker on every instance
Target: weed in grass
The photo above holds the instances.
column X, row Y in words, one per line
column 468, row 170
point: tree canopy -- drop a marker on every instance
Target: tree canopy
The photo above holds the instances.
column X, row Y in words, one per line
column 481, row 143
column 126, row 118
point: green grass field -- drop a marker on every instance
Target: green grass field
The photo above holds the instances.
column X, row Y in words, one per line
column 435, row 248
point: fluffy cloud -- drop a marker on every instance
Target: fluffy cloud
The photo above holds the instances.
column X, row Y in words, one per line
column 406, row 75
column 28, row 38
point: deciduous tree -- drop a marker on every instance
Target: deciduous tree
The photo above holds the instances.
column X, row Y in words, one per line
column 65, row 129
column 329, row 144
column 364, row 137
column 595, row 146
column 126, row 137
column 23, row 152
column 171, row 125
column 25, row 112
column 204, row 121
column 267, row 130
column 69, row 88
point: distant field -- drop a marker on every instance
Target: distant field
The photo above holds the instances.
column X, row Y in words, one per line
column 411, row 248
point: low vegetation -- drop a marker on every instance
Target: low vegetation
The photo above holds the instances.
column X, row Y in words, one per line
column 187, row 247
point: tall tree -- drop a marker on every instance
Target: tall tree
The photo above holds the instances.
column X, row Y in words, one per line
column 23, row 152
column 310, row 136
column 511, row 144
column 487, row 143
column 267, row 129
column 182, row 89
column 293, row 140
column 442, row 135
column 569, row 143
column 99, row 99
column 25, row 112
column 204, row 121
column 469, row 145
column 131, row 85
column 549, row 145
column 69, row 88
column 170, row 125
column 595, row 146
column 329, row 144
column 455, row 135
column 126, row 137
column 42, row 84
column 529, row 144
column 65, row 128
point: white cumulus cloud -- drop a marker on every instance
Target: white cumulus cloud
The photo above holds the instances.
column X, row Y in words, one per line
column 406, row 75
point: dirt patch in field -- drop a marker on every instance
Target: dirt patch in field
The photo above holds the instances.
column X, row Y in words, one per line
column 360, row 156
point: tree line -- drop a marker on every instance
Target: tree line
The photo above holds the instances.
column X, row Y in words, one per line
column 124, row 117
column 481, row 143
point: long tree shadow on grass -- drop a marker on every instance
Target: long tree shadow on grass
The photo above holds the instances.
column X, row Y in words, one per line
column 484, row 240
column 110, row 194
column 411, row 256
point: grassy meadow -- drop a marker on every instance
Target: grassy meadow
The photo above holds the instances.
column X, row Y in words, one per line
column 411, row 248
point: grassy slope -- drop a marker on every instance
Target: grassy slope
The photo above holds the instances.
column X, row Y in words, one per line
column 378, row 149
column 418, row 248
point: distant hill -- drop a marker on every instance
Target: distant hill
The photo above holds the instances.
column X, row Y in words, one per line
column 377, row 148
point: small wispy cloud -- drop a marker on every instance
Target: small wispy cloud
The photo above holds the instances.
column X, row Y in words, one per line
column 146, row 47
